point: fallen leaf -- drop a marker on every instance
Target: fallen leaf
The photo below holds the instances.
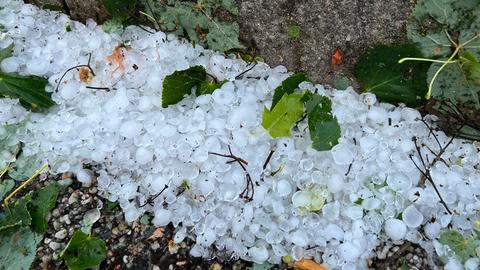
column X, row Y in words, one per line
column 305, row 264
column 337, row 58
column 158, row 233
column 117, row 58
column 85, row 75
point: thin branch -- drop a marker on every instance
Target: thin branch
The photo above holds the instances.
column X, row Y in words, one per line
column 151, row 199
column 72, row 68
column 239, row 76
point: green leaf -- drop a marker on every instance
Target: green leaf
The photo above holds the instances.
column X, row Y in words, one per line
column 379, row 72
column 433, row 19
column 288, row 86
column 18, row 246
column 6, row 52
column 453, row 84
column 464, row 248
column 24, row 167
column 112, row 25
column 471, row 66
column 120, row 9
column 195, row 20
column 180, row 83
column 293, row 31
column 84, row 251
column 43, row 201
column 324, row 128
column 15, row 215
column 223, row 36
column 5, row 187
column 30, row 90
column 209, row 87
column 342, row 83
column 280, row 119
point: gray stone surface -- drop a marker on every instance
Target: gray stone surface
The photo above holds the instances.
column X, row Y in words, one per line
column 351, row 25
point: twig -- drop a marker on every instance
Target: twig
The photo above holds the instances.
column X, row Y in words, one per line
column 98, row 88
column 239, row 76
column 269, row 157
column 72, row 68
column 249, row 190
column 426, row 170
column 151, row 199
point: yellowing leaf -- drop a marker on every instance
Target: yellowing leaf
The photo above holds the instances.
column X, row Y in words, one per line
column 305, row 264
column 283, row 116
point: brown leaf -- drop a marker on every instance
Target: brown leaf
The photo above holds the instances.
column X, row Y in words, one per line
column 158, row 233
column 305, row 264
column 85, row 75
column 337, row 58
column 117, row 58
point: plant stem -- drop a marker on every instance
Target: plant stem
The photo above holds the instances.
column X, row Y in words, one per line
column 424, row 60
column 39, row 171
column 430, row 86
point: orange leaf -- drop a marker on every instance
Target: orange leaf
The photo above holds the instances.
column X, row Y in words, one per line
column 117, row 58
column 337, row 58
column 305, row 264
column 158, row 233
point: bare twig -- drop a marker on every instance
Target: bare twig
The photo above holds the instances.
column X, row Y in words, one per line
column 239, row 76
column 72, row 68
column 152, row 199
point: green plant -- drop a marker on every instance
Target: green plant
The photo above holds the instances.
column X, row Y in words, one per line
column 293, row 31
column 195, row 21
column 463, row 247
column 180, row 83
column 23, row 223
column 84, row 251
column 287, row 108
column 30, row 90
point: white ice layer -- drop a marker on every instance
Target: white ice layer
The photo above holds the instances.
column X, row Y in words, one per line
column 141, row 147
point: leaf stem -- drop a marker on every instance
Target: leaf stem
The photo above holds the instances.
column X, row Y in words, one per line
column 38, row 172
column 430, row 86
column 425, row 60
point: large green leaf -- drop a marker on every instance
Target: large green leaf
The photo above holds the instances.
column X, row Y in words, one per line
column 196, row 21
column 463, row 247
column 288, row 86
column 379, row 72
column 18, row 246
column 15, row 215
column 43, row 201
column 180, row 83
column 84, row 251
column 323, row 126
column 453, row 84
column 6, row 52
column 30, row 90
column 280, row 119
column 223, row 36
column 209, row 87
column 433, row 19
column 24, row 167
column 5, row 187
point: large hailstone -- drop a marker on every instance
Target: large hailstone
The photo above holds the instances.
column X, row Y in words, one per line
column 395, row 229
column 412, row 217
column 310, row 199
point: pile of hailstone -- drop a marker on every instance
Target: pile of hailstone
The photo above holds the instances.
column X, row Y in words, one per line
column 334, row 206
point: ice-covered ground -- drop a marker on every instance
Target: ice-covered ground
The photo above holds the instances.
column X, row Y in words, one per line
column 141, row 147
